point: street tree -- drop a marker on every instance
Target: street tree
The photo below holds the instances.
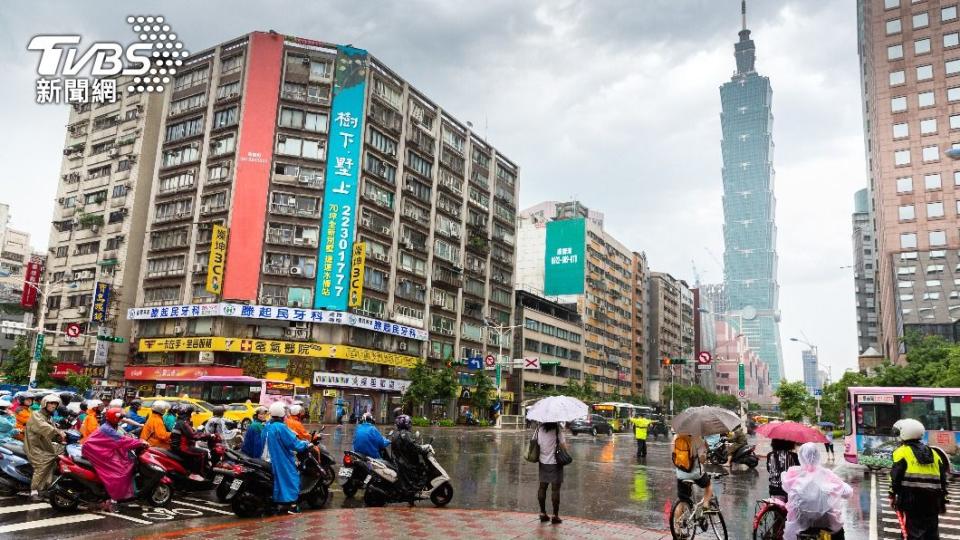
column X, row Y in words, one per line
column 79, row 381
column 422, row 382
column 16, row 367
column 481, row 396
column 795, row 400
column 445, row 385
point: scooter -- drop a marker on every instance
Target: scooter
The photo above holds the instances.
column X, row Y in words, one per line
column 384, row 485
column 746, row 455
column 354, row 473
column 179, row 472
column 326, row 458
column 251, row 484
column 16, row 472
column 79, row 483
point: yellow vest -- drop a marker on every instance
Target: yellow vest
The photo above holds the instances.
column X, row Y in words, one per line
column 919, row 475
column 640, row 427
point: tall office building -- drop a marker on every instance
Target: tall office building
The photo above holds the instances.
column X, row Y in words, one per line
column 750, row 232
column 315, row 210
column 671, row 334
column 864, row 273
column 99, row 223
column 810, row 370
column 909, row 66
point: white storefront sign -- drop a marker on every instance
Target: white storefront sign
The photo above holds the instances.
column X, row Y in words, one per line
column 347, row 380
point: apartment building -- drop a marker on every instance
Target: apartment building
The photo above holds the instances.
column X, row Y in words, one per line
column 99, row 222
column 864, row 273
column 909, row 65
column 603, row 292
column 356, row 226
column 671, row 332
column 15, row 253
column 641, row 320
column 552, row 332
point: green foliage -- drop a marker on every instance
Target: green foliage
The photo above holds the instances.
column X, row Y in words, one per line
column 588, row 390
column 446, row 422
column 484, row 423
column 795, row 401
column 79, row 381
column 421, row 386
column 300, row 368
column 16, row 367
column 695, row 396
column 419, row 421
column 254, row 365
column 446, row 383
column 485, row 387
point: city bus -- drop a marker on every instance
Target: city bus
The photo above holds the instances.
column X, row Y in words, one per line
column 224, row 389
column 619, row 414
column 870, row 413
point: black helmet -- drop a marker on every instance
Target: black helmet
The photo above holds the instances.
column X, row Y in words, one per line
column 218, row 410
column 174, row 408
column 25, row 396
column 185, row 410
column 135, row 405
column 65, row 398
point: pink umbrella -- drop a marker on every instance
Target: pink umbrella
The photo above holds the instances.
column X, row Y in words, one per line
column 791, row 431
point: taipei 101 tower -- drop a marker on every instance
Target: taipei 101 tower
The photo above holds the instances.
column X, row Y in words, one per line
column 749, row 230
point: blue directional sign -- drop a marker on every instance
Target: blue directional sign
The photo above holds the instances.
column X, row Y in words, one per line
column 475, row 362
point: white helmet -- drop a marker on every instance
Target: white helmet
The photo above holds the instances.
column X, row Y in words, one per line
column 50, row 398
column 116, row 402
column 160, row 406
column 5, row 403
column 909, row 429
column 296, row 410
column 278, row 409
column 94, row 403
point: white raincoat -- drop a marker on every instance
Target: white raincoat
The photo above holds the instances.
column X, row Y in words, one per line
column 816, row 497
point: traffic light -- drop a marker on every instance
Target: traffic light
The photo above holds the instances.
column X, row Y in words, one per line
column 112, row 339
column 666, row 360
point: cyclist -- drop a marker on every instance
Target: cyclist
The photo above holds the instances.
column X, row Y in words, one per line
column 689, row 452
column 816, row 496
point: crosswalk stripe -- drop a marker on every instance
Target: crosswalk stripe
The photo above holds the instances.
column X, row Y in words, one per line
column 50, row 522
column 899, row 534
column 181, row 503
column 23, row 508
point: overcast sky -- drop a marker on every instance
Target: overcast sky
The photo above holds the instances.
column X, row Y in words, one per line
column 615, row 103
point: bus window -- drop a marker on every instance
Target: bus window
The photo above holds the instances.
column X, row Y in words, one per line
column 930, row 411
column 847, row 422
column 877, row 419
column 955, row 413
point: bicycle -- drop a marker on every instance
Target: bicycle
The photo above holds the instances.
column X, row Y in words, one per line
column 770, row 519
column 687, row 518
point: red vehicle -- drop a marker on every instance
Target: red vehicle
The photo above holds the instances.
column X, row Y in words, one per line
column 178, row 472
column 78, row 482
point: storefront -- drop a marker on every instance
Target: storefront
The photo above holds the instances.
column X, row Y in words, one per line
column 346, row 397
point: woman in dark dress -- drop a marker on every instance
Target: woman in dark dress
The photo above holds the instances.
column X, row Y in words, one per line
column 549, row 435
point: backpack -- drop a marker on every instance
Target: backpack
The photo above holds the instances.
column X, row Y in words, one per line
column 683, row 453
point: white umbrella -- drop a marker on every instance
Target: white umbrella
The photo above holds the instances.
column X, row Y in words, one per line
column 557, row 409
column 706, row 420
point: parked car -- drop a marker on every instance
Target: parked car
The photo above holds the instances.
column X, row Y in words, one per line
column 241, row 413
column 591, row 424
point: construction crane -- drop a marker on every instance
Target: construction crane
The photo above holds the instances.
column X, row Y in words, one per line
column 714, row 257
column 696, row 275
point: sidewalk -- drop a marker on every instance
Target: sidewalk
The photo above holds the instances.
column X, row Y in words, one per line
column 405, row 522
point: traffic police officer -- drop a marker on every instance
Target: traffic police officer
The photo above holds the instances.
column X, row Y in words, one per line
column 640, row 426
column 918, row 482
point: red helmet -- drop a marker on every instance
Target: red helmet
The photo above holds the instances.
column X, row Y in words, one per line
column 113, row 416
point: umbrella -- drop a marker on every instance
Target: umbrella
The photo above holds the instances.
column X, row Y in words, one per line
column 791, row 431
column 557, row 409
column 706, row 420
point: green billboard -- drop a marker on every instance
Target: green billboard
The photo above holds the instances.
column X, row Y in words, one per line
column 565, row 257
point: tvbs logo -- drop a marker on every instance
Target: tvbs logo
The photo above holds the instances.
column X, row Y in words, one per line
column 150, row 62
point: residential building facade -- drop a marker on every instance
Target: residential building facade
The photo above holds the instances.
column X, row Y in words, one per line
column 909, row 84
column 552, row 332
column 864, row 273
column 257, row 139
column 15, row 253
column 671, row 333
column 733, row 349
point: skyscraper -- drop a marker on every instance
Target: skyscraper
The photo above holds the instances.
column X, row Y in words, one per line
column 750, row 257
column 864, row 271
column 810, row 370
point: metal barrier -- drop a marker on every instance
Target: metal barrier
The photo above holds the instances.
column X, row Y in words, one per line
column 510, row 421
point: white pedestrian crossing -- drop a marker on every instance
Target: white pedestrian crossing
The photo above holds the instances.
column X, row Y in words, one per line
column 889, row 526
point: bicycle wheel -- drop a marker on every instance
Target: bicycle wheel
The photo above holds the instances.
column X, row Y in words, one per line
column 680, row 526
column 770, row 523
column 716, row 527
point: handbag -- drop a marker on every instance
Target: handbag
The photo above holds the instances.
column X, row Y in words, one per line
column 563, row 457
column 533, row 448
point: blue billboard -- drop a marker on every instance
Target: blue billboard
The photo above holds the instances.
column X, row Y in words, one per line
column 343, row 171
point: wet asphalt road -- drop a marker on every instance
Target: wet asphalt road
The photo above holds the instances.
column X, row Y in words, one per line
column 605, row 482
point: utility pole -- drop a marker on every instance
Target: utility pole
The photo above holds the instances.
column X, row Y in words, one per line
column 38, row 344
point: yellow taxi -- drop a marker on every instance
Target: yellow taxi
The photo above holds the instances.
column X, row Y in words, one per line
column 202, row 412
column 241, row 413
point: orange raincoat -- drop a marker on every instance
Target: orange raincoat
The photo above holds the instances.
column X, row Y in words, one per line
column 296, row 426
column 155, row 432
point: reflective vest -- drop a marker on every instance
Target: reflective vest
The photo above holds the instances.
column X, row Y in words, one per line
column 919, row 475
column 640, row 426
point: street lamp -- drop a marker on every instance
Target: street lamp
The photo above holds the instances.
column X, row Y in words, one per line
column 493, row 325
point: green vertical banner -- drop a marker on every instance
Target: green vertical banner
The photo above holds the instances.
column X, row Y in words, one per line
column 741, row 383
column 565, row 257
column 38, row 348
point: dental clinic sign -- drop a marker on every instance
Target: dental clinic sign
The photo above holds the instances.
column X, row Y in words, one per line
column 151, row 61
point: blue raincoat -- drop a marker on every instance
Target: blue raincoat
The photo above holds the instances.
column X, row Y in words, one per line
column 368, row 441
column 8, row 427
column 253, row 440
column 282, row 443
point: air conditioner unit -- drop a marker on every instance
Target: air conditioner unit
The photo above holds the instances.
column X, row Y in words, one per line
column 303, row 179
column 298, row 241
column 198, row 268
column 410, row 189
column 301, row 325
column 296, row 271
column 205, row 208
column 305, row 61
column 380, row 256
column 178, row 329
column 385, row 230
column 402, row 345
column 365, row 222
column 268, row 301
column 296, row 304
column 81, row 310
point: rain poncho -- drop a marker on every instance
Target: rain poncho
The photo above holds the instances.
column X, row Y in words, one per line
column 282, row 443
column 253, row 440
column 169, row 420
column 42, row 451
column 90, row 424
column 296, row 426
column 113, row 460
column 155, row 432
column 816, row 497
column 8, row 427
column 368, row 441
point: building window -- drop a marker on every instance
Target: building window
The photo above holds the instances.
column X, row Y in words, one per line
column 921, row 46
column 894, row 27
column 228, row 90
column 907, row 212
column 951, row 40
column 908, row 240
column 897, row 77
column 234, row 63
column 934, row 210
column 298, row 119
column 295, row 146
column 225, row 117
column 188, row 80
column 188, row 103
column 178, row 156
column 925, row 99
column 921, row 20
column 924, row 72
column 901, row 157
column 891, row 4
column 948, row 13
column 931, row 153
column 931, row 181
column 938, row 238
column 901, row 131
column 898, row 104
column 223, row 145
column 187, row 128
column 952, row 66
column 928, row 126
column 894, row 52
column 904, row 185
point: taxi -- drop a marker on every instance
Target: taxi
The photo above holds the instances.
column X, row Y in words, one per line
column 202, row 412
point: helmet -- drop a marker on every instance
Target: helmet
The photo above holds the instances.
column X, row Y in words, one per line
column 218, row 410
column 50, row 398
column 94, row 404
column 278, row 409
column 909, row 429
column 5, row 403
column 367, row 417
column 116, row 402
column 66, row 398
column 296, row 410
column 113, row 416
column 260, row 410
column 159, row 406
column 403, row 422
column 136, row 404
column 185, row 410
column 397, row 412
column 25, row 396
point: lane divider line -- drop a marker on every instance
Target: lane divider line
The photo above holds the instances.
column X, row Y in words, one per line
column 23, row 508
column 197, row 506
column 873, row 507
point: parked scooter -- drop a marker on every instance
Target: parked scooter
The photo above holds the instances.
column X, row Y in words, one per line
column 251, row 483
column 384, row 485
column 79, row 483
column 353, row 474
column 16, row 472
column 746, row 455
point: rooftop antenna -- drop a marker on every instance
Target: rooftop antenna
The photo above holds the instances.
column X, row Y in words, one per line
column 743, row 14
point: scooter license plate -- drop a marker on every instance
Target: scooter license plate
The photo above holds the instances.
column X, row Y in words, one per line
column 235, row 485
column 345, row 472
column 217, row 479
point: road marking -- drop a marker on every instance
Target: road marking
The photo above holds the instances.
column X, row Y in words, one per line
column 873, row 507
column 23, row 508
column 50, row 522
column 899, row 534
column 221, row 505
column 128, row 518
column 181, row 503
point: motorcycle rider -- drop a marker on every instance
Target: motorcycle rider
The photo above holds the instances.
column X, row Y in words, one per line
column 110, row 453
column 816, row 496
column 90, row 422
column 282, row 443
column 640, row 428
column 293, row 421
column 170, row 417
column 738, row 440
column 408, row 453
column 253, row 438
column 40, row 444
column 782, row 456
column 218, row 424
column 24, row 410
column 8, row 424
column 133, row 412
column 367, row 440
column 154, row 432
column 183, row 442
column 918, row 482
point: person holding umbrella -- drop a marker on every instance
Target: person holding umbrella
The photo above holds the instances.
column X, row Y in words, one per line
column 548, row 447
column 689, row 448
column 785, row 436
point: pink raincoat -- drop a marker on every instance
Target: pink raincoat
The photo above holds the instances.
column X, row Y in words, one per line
column 816, row 497
column 113, row 460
